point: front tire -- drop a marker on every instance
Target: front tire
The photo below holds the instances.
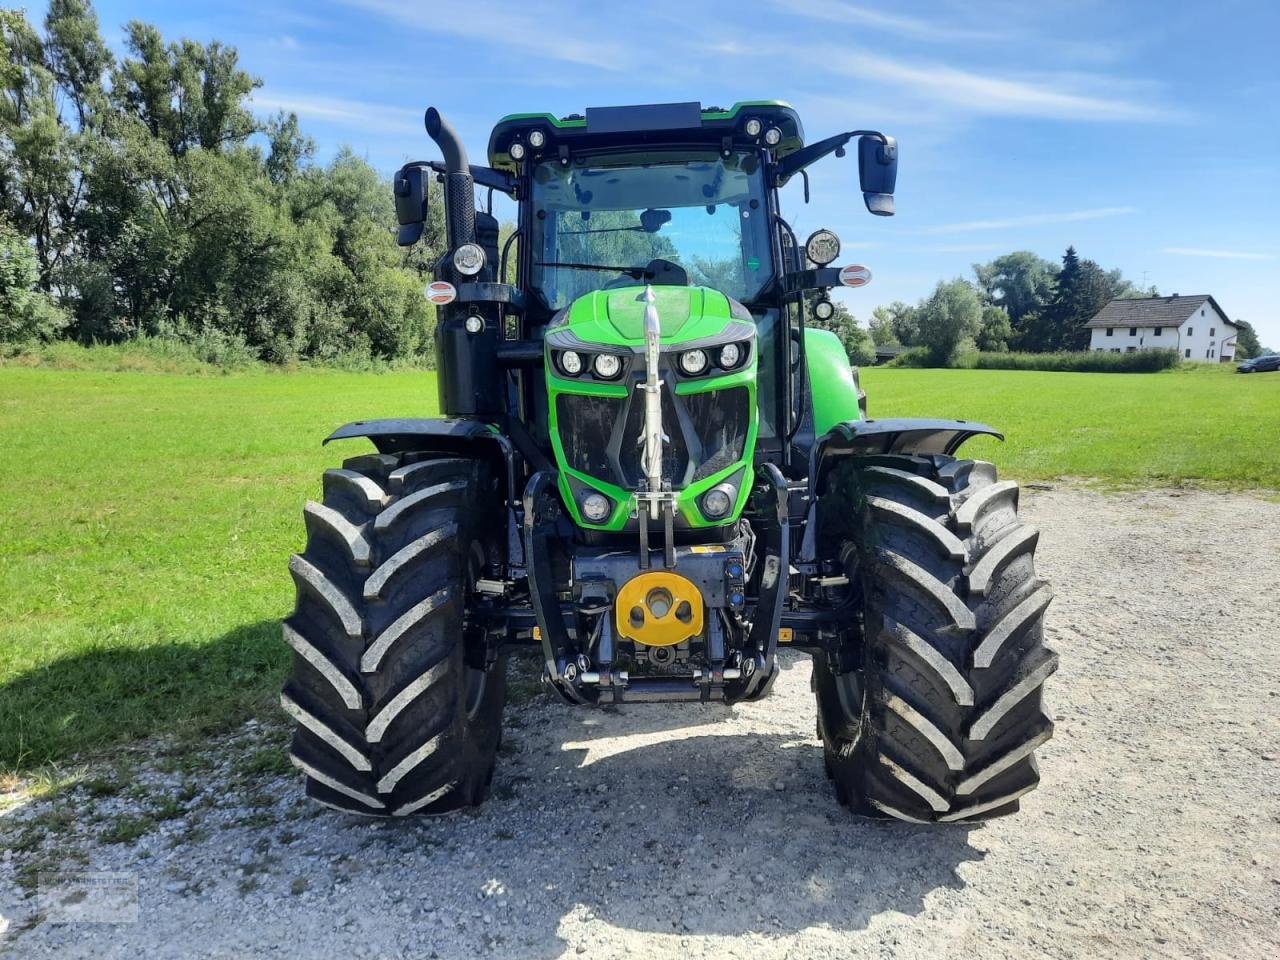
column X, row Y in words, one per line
column 938, row 716
column 397, row 711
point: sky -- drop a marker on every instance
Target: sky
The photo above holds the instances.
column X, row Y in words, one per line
column 1145, row 134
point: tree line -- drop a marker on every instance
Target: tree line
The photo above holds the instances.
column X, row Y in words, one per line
column 1018, row 301
column 140, row 195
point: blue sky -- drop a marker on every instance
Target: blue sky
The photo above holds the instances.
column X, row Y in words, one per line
column 1146, row 134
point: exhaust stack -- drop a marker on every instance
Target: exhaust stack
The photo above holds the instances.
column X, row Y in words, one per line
column 459, row 187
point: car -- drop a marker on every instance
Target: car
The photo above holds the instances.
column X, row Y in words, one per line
column 1266, row 362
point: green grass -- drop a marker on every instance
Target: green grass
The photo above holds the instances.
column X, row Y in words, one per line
column 146, row 519
column 1204, row 423
column 145, row 523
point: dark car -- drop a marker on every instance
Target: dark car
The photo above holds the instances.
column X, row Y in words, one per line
column 1270, row 361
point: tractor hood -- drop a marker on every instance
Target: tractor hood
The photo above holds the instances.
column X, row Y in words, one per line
column 689, row 317
column 600, row 417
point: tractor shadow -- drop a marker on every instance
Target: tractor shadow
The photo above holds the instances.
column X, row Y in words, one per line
column 678, row 820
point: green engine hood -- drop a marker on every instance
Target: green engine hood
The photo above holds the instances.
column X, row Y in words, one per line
column 616, row 317
column 595, row 424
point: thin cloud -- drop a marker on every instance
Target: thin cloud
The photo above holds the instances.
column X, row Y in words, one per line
column 508, row 25
column 832, row 11
column 979, row 93
column 1218, row 254
column 357, row 114
column 1030, row 220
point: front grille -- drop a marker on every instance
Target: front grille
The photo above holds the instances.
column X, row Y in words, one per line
column 601, row 436
column 586, row 428
column 675, row 451
column 720, row 421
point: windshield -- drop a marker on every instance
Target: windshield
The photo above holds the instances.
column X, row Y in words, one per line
column 705, row 212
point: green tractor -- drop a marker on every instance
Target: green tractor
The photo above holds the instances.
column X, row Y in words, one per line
column 650, row 469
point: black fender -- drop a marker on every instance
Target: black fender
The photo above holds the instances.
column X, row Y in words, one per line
column 468, row 436
column 906, row 435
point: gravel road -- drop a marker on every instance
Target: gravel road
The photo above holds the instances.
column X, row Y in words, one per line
column 690, row 831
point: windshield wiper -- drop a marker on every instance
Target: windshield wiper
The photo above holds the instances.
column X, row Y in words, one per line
column 635, row 273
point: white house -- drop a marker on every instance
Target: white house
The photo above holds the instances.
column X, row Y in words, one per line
column 1195, row 327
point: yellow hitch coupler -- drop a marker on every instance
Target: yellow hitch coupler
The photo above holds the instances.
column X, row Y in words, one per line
column 659, row 609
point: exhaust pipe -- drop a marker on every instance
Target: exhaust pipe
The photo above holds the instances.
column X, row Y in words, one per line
column 441, row 131
column 459, row 187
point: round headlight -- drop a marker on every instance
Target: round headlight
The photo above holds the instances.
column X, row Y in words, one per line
column 717, row 502
column 772, row 136
column 571, row 363
column 473, row 324
column 595, row 507
column 822, row 247
column 753, row 127
column 517, row 151
column 824, row 309
column 693, row 362
column 536, row 139
column 607, row 365
column 730, row 354
column 468, row 259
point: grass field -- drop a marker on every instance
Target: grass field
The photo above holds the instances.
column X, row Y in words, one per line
column 145, row 519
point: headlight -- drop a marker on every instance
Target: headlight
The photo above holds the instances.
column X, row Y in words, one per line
column 595, row 507
column 753, row 127
column 468, row 259
column 607, row 365
column 718, row 501
column 822, row 247
column 773, row 136
column 517, row 151
column 536, row 139
column 730, row 354
column 571, row 363
column 474, row 324
column 693, row 362
column 824, row 309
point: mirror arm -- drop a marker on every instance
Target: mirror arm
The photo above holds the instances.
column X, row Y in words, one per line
column 792, row 164
column 483, row 176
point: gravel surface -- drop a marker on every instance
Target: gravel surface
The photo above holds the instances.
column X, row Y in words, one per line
column 677, row 831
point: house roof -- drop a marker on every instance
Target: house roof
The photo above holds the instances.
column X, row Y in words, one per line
column 1153, row 311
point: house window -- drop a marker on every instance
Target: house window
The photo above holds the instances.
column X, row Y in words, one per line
column 1211, row 329
column 1133, row 331
column 1131, row 350
column 1202, row 311
column 1208, row 354
column 1190, row 331
column 1110, row 331
column 1188, row 353
column 1115, row 349
column 1159, row 330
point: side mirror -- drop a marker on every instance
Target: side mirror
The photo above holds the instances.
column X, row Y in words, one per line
column 410, row 190
column 878, row 173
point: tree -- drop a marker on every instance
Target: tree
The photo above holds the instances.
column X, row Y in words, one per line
column 1083, row 288
column 1021, row 282
column 994, row 332
column 896, row 323
column 25, row 313
column 950, row 314
column 37, row 159
column 1247, row 344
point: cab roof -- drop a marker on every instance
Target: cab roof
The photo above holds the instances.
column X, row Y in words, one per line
column 653, row 124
